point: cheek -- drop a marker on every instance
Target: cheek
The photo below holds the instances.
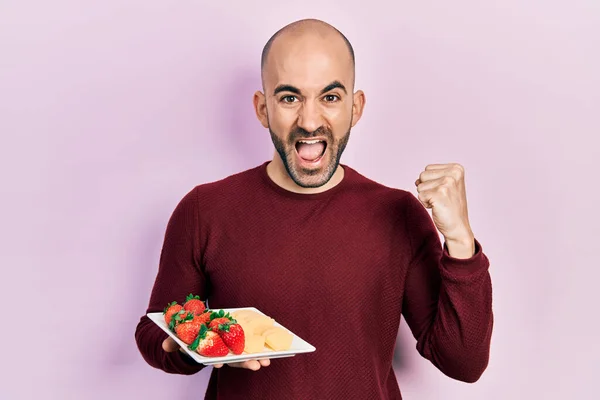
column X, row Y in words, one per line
column 338, row 118
column 282, row 119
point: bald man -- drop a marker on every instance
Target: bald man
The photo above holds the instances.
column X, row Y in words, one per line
column 330, row 254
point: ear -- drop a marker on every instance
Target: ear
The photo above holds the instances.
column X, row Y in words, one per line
column 260, row 107
column 358, row 106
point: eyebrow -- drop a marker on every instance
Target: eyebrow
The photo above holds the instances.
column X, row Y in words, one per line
column 334, row 85
column 286, row 88
column 295, row 90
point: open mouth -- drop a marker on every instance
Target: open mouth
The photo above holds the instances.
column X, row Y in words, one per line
column 311, row 150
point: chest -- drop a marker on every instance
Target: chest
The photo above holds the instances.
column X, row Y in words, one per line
column 312, row 258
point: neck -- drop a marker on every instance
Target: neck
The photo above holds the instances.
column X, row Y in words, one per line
column 278, row 174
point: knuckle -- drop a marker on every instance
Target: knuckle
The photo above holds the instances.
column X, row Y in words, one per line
column 448, row 180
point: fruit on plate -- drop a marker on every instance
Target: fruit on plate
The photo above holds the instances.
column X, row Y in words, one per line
column 219, row 317
column 204, row 318
column 194, row 304
column 178, row 317
column 213, row 324
column 216, row 333
column 170, row 310
column 233, row 336
column 220, row 314
column 187, row 326
column 209, row 343
column 257, row 324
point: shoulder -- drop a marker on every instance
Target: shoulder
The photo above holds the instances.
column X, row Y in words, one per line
column 213, row 194
column 379, row 192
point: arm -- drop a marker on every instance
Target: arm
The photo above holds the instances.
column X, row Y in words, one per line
column 447, row 300
column 179, row 273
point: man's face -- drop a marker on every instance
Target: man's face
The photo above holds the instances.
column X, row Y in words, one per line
column 309, row 107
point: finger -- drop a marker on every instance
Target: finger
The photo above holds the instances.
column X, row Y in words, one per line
column 265, row 362
column 426, row 198
column 218, row 365
column 169, row 345
column 254, row 365
column 437, row 166
column 429, row 175
column 430, row 185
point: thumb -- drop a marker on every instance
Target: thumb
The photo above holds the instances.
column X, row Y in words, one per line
column 169, row 345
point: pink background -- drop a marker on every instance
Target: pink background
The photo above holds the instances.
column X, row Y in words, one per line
column 111, row 111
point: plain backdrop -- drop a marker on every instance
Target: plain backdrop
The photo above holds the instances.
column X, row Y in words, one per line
column 111, row 111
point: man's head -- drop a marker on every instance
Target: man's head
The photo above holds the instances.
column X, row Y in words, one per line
column 308, row 103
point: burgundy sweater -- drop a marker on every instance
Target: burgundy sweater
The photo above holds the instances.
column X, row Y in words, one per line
column 337, row 268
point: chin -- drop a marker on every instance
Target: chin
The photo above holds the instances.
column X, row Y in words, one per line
column 316, row 170
column 310, row 176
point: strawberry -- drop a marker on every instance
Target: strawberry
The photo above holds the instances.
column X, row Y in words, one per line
column 187, row 329
column 170, row 310
column 220, row 317
column 194, row 304
column 203, row 318
column 209, row 344
column 180, row 317
column 233, row 336
column 214, row 324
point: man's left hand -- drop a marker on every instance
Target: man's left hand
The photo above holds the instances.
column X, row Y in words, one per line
column 441, row 188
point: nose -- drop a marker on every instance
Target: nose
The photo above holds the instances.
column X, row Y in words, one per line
column 309, row 116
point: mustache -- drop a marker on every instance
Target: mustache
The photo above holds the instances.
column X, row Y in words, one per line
column 301, row 133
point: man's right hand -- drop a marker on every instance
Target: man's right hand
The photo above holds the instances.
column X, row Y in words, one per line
column 169, row 345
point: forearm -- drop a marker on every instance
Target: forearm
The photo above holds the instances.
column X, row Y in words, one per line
column 149, row 338
column 458, row 340
column 448, row 297
column 179, row 274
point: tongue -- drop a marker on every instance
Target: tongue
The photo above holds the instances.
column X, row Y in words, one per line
column 310, row 152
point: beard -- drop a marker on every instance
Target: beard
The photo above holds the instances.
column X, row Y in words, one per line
column 306, row 177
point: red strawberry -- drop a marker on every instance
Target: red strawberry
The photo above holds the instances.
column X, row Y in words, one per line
column 187, row 329
column 214, row 324
column 209, row 344
column 170, row 310
column 220, row 317
column 203, row 318
column 182, row 315
column 194, row 304
column 233, row 336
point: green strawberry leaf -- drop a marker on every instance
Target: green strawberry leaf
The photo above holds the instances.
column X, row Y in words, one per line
column 201, row 335
column 224, row 327
column 194, row 344
column 213, row 315
column 192, row 297
column 169, row 306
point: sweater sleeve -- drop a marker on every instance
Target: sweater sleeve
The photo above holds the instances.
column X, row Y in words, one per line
column 447, row 301
column 179, row 274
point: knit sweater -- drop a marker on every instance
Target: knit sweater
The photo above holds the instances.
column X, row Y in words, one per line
column 337, row 268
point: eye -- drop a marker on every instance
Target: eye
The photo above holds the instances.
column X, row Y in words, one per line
column 330, row 98
column 289, row 99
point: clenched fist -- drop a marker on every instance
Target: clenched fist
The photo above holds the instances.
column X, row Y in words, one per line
column 441, row 188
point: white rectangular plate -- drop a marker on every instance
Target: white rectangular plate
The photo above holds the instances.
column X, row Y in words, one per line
column 298, row 344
